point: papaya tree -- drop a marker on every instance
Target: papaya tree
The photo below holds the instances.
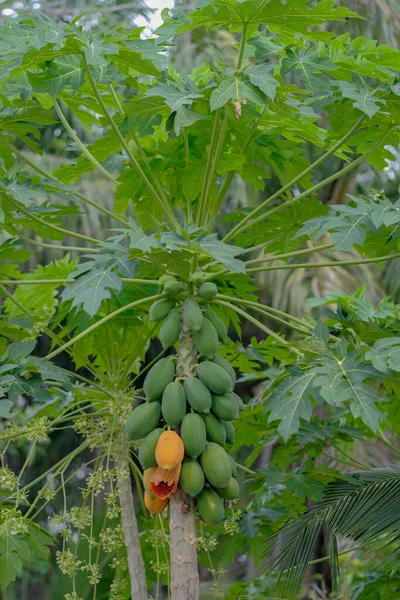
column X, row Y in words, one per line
column 131, row 343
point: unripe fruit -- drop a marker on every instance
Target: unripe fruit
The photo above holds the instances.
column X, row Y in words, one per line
column 147, row 450
column 171, row 328
column 230, row 431
column 233, row 466
column 173, row 405
column 173, row 287
column 225, row 364
column 210, row 506
column 193, row 434
column 218, row 324
column 225, row 407
column 207, row 290
column 142, row 420
column 164, row 278
column 239, row 401
column 157, row 379
column 197, row 395
column 192, row 314
column 160, row 309
column 197, row 278
column 206, row 339
column 192, row 477
column 214, row 377
column 215, row 429
column 216, row 465
column 231, row 491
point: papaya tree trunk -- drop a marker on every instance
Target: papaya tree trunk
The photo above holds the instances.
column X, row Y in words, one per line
column 131, row 533
column 183, row 535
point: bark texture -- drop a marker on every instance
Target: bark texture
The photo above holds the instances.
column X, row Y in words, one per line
column 183, row 537
column 131, row 533
column 183, row 548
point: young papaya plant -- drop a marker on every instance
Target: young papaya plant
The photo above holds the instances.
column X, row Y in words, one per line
column 129, row 342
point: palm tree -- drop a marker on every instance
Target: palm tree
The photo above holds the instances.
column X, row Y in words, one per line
column 363, row 507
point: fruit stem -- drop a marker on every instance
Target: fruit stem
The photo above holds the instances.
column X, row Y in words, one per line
column 245, row 469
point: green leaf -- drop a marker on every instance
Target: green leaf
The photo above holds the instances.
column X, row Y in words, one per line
column 184, row 117
column 342, row 379
column 235, row 89
column 365, row 99
column 221, row 252
column 20, row 350
column 88, row 290
column 385, row 355
column 287, row 19
column 97, row 50
column 348, row 224
column 62, row 71
column 174, row 97
column 40, row 300
column 262, row 78
column 290, row 402
column 17, row 550
column 14, row 553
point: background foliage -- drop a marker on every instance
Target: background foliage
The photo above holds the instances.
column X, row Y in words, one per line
column 100, row 137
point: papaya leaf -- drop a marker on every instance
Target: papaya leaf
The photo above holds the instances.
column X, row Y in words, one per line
column 291, row 401
column 17, row 550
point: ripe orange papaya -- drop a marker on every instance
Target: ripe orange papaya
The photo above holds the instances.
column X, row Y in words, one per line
column 169, row 450
column 147, row 475
column 164, row 483
column 155, row 505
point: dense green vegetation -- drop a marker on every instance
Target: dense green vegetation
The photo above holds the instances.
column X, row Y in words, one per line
column 188, row 264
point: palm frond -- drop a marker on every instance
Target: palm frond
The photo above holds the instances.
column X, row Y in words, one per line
column 365, row 508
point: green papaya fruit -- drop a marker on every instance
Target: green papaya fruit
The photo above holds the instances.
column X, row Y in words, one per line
column 239, row 401
column 147, row 450
column 197, row 278
column 197, row 395
column 214, row 377
column 225, row 407
column 192, row 314
column 142, row 420
column 207, row 290
column 231, row 491
column 160, row 309
column 173, row 405
column 225, row 364
column 206, row 339
column 157, row 379
column 173, row 287
column 171, row 328
column 233, row 466
column 218, row 324
column 216, row 465
column 193, row 434
column 215, row 429
column 210, row 506
column 229, row 430
column 164, row 278
column 192, row 477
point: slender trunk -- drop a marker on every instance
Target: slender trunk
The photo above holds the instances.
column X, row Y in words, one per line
column 184, row 572
column 183, row 543
column 131, row 533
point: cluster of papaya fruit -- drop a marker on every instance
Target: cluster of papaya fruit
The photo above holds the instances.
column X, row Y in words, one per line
column 187, row 418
